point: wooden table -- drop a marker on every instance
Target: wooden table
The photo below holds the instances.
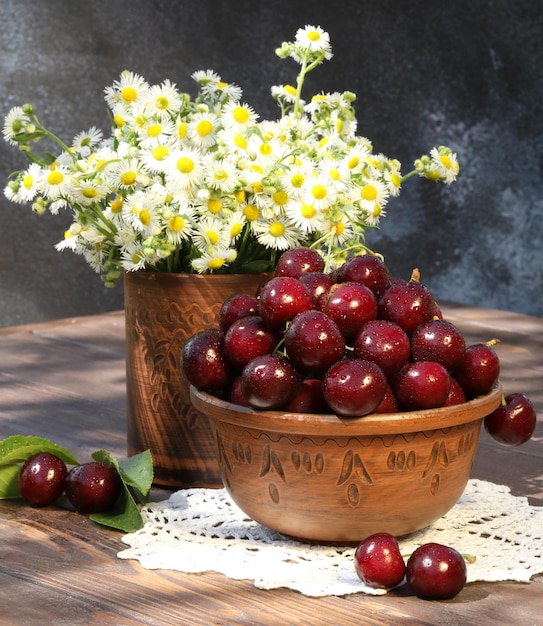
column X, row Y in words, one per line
column 65, row 380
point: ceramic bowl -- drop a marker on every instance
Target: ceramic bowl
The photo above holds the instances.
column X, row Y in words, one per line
column 326, row 479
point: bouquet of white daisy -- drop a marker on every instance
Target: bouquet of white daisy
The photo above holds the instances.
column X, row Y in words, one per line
column 203, row 185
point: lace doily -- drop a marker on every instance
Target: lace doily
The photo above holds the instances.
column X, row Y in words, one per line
column 199, row 530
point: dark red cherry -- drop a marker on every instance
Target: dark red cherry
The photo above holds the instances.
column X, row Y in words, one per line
column 436, row 572
column 299, row 261
column 314, row 342
column 281, row 299
column 41, row 479
column 248, row 338
column 270, row 382
column 204, row 361
column 440, row 341
column 379, row 562
column 479, row 370
column 368, row 270
column 422, row 385
column 513, row 423
column 235, row 307
column 354, row 387
column 385, row 343
column 93, row 487
column 409, row 305
column 350, row 305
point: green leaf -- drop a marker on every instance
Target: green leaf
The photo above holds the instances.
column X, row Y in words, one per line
column 18, row 448
column 136, row 473
column 9, row 483
column 124, row 516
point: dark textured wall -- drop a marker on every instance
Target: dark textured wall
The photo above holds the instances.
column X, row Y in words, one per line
column 467, row 74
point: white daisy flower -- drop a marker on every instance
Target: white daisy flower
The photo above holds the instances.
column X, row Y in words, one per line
column 86, row 141
column 278, row 234
column 202, row 130
column 214, row 260
column 29, row 183
column 163, row 100
column 133, row 257
column 141, row 213
column 305, row 217
column 183, row 169
column 315, row 39
column 319, row 192
column 238, row 116
column 15, row 122
column 130, row 88
column 221, row 175
column 55, row 181
column 210, row 232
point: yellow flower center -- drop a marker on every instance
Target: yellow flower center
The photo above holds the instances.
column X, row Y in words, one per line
column 118, row 120
column 445, row 161
column 160, row 153
column 369, row 193
column 319, row 192
column 154, row 130
column 395, row 179
column 128, row 178
column 240, row 142
column 185, row 165
column 28, row 181
column 129, row 94
column 220, row 175
column 241, row 115
column 90, row 193
column 213, row 237
column 353, row 162
column 235, row 230
column 290, row 90
column 240, row 195
column 182, row 130
column 335, row 175
column 162, row 103
column 55, row 177
column 251, row 212
column 117, row 205
column 214, row 205
column 265, row 149
column 176, row 223
column 145, row 217
column 308, row 211
column 204, row 128
column 215, row 264
column 297, row 181
column 257, row 187
column 280, row 197
column 277, row 229
column 313, row 35
column 339, row 227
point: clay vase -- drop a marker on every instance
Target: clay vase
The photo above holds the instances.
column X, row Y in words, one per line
column 162, row 311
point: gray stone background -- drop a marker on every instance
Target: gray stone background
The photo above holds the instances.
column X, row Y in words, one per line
column 468, row 74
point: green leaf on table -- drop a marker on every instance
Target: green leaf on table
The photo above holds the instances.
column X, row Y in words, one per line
column 136, row 473
column 9, row 481
column 18, row 448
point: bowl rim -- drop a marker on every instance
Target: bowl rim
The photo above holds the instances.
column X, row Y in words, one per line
column 334, row 425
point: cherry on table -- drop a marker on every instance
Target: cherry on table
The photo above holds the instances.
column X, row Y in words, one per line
column 281, row 299
column 385, row 343
column 247, row 338
column 93, row 487
column 436, row 572
column 379, row 562
column 438, row 340
column 368, row 270
column 41, row 479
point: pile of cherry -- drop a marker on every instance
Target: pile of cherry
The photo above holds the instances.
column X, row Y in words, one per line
column 351, row 342
column 354, row 342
